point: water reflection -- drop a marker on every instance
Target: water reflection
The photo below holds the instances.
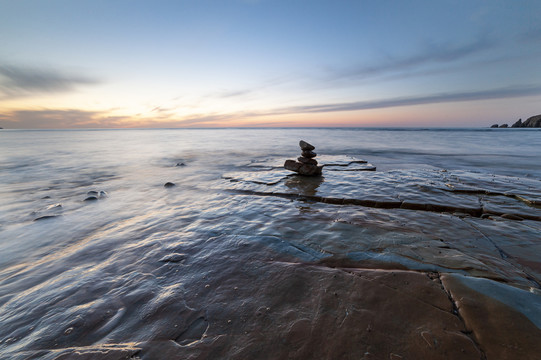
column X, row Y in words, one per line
column 304, row 185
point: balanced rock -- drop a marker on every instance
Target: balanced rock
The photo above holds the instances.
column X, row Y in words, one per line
column 307, row 160
column 308, row 154
column 292, row 165
column 305, row 146
column 306, row 164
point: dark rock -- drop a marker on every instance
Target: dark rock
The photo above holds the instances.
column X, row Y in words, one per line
column 532, row 122
column 305, row 146
column 44, row 217
column 307, row 161
column 310, row 170
column 98, row 194
column 168, row 185
column 181, row 164
column 292, row 165
column 308, row 154
column 517, row 124
column 95, row 195
column 173, row 258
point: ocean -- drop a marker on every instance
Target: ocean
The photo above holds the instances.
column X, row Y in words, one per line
column 239, row 258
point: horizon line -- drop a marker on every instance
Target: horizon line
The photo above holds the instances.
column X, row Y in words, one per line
column 267, row 127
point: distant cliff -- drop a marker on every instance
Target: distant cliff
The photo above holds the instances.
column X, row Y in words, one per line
column 531, row 122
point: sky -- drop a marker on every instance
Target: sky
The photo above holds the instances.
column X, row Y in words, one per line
column 265, row 63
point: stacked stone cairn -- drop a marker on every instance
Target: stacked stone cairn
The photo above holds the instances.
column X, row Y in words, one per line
column 306, row 164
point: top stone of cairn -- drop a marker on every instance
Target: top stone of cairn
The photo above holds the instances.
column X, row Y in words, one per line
column 305, row 146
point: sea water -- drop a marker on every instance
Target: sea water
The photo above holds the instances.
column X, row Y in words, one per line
column 76, row 271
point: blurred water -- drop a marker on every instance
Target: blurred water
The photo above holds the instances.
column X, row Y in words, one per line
column 41, row 169
column 102, row 257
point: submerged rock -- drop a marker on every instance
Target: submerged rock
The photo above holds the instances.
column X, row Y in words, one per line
column 306, row 164
column 44, row 217
column 169, row 185
column 94, row 195
column 173, row 258
column 48, row 212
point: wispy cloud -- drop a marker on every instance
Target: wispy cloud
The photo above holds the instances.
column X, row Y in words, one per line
column 233, row 93
column 50, row 119
column 74, row 118
column 501, row 93
column 21, row 81
column 432, row 54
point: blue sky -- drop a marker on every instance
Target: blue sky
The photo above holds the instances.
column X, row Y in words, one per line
column 101, row 64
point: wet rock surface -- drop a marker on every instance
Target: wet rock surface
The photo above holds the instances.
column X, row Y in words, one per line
column 266, row 264
column 475, row 235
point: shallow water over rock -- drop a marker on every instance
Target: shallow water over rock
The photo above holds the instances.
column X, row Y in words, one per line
column 242, row 259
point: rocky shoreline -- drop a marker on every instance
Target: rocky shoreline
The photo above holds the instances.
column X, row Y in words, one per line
column 233, row 256
column 531, row 122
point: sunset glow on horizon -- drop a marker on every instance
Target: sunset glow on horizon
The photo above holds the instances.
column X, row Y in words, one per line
column 263, row 63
